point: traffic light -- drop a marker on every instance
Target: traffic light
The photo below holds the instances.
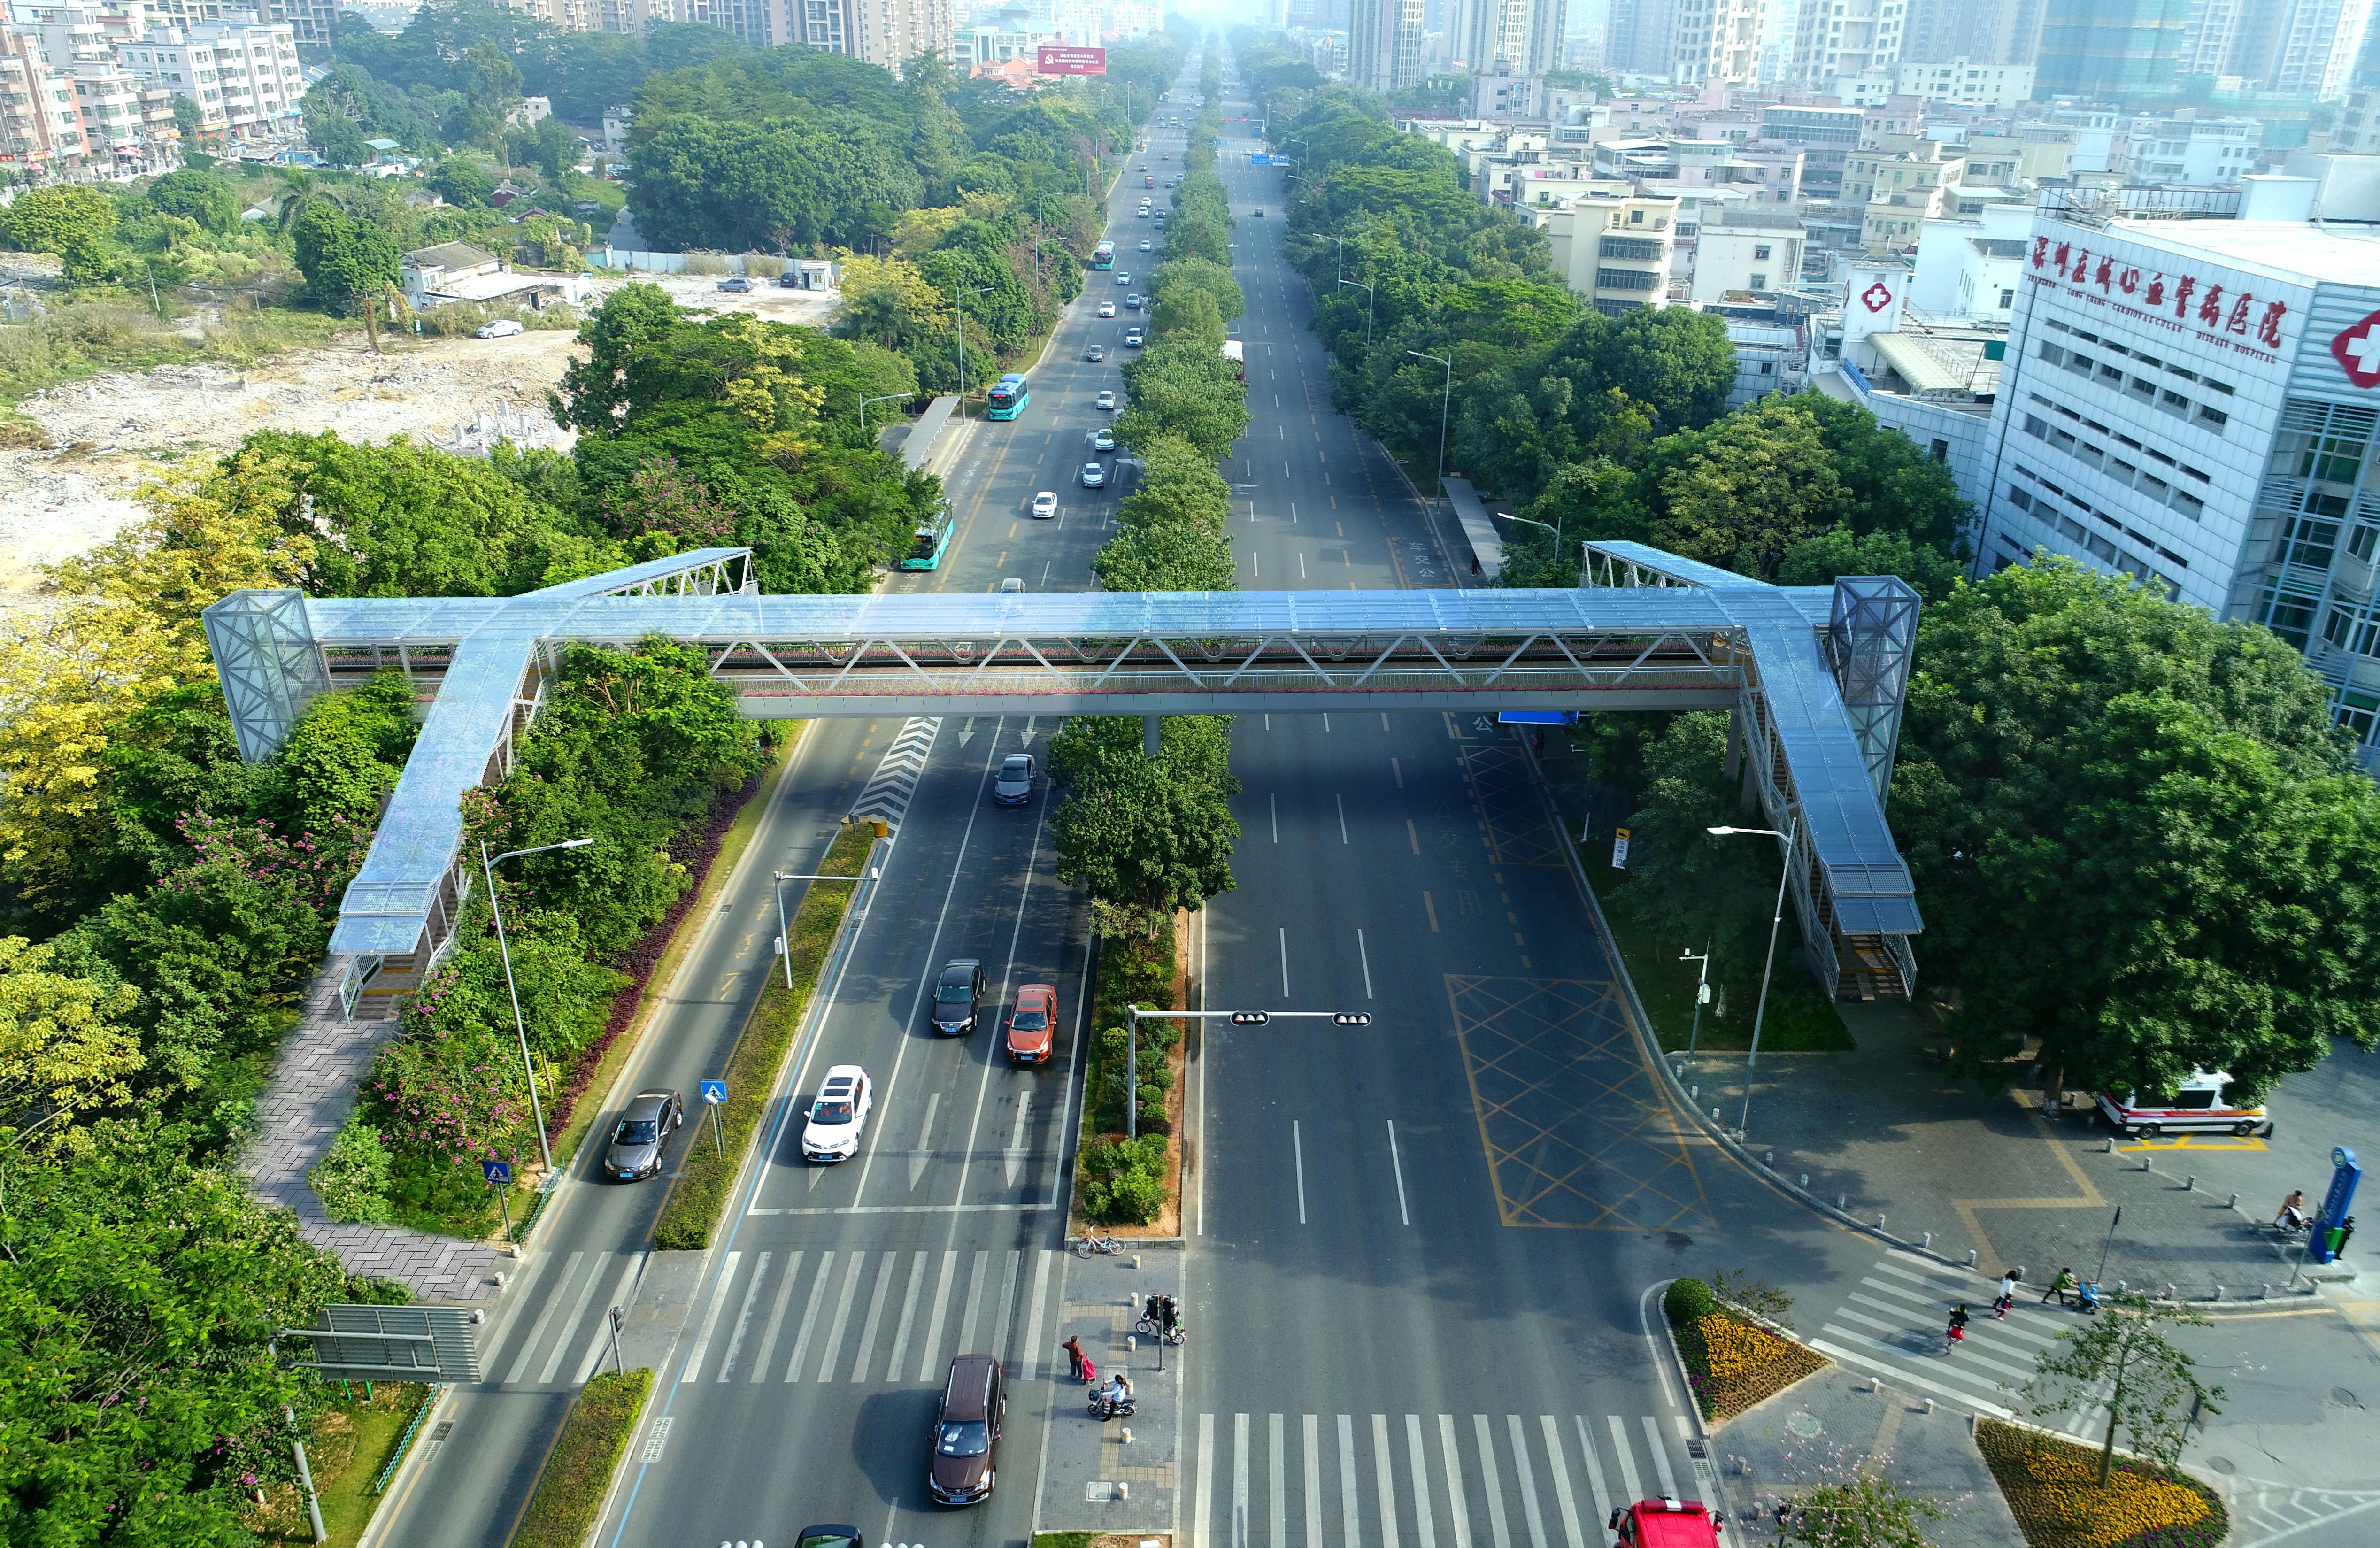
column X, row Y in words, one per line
column 1353, row 1018
column 1249, row 1019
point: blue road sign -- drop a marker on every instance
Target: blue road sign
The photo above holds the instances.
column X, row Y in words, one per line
column 2344, row 1174
column 1536, row 717
column 498, row 1172
column 1258, row 158
column 714, row 1090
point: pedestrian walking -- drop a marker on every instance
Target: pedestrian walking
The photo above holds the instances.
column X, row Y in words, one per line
column 1074, row 1348
column 1955, row 1334
column 2058, row 1286
column 2007, row 1297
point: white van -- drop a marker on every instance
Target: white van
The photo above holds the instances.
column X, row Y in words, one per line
column 2197, row 1108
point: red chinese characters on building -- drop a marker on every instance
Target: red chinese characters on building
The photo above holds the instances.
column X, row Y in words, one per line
column 2214, row 308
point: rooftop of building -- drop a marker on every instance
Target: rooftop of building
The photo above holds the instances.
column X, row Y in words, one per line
column 2284, row 249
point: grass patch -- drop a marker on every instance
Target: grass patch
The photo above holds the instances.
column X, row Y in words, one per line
column 353, row 1441
column 86, row 334
column 577, row 1472
column 1064, row 1539
column 699, row 1192
column 1733, row 1362
column 2052, row 1488
column 730, row 849
column 1800, row 1019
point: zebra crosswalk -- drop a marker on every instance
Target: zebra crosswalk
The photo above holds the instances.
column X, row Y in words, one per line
column 860, row 1319
column 1464, row 1481
column 888, row 790
column 1890, row 1326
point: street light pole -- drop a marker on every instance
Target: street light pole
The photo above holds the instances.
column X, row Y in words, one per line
column 958, row 327
column 777, row 890
column 1702, row 993
column 1445, row 402
column 1369, row 297
column 1555, row 529
column 1792, row 827
column 885, row 397
column 496, row 908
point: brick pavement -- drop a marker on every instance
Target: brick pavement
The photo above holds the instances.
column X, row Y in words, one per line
column 297, row 1117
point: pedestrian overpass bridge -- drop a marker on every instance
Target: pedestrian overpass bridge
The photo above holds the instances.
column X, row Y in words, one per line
column 1813, row 678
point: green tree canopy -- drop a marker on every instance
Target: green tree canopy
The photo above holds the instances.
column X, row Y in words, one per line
column 204, row 196
column 2136, row 835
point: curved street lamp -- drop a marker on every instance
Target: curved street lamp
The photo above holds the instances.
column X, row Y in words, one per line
column 495, row 906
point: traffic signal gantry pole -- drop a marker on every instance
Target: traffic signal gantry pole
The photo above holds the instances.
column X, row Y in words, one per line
column 1135, row 1016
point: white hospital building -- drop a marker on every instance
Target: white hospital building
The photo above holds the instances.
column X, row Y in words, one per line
column 2195, row 403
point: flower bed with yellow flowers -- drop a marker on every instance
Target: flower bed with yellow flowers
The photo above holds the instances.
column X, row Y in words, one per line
column 1733, row 1363
column 2052, row 1488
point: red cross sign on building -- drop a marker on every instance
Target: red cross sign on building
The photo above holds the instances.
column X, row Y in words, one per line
column 2357, row 350
column 1876, row 296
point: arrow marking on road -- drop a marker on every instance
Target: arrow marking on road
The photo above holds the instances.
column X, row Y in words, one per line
column 1015, row 1154
column 967, row 732
column 925, row 1136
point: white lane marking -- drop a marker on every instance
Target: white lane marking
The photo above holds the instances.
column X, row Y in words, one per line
column 925, row 974
column 1562, row 1494
column 1298, row 1141
column 1279, row 1478
column 1661, row 1457
column 1384, row 1481
column 1312, row 1440
column 925, row 1139
column 570, row 1319
column 1202, row 1502
column 974, row 1299
column 1624, row 1458
column 1031, row 1360
column 875, row 1319
column 834, row 1349
column 1528, row 1480
column 601, row 1343
column 1301, row 565
column 1364, row 957
column 1396, row 1165
column 1007, row 1307
column 1272, row 802
column 1238, row 1481
column 933, row 1327
column 893, row 1362
column 711, row 1318
column 1349, row 1521
column 810, row 1316
column 1425, row 1524
column 1341, row 801
column 744, row 1316
column 1493, row 1479
column 1457, row 1503
column 1284, row 962
column 544, row 1321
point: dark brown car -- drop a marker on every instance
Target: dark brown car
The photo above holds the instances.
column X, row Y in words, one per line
column 966, row 1432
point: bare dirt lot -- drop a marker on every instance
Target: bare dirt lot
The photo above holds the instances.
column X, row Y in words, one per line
column 108, row 434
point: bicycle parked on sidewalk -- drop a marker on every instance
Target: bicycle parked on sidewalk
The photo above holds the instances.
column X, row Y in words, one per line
column 1085, row 1247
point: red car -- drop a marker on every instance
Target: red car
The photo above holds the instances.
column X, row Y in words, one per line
column 1033, row 1024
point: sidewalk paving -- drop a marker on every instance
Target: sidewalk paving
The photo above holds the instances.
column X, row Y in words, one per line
column 1092, row 1479
column 312, row 1088
column 1836, row 1423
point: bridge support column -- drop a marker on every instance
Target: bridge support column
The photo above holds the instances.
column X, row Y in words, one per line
column 1150, row 744
column 1734, row 741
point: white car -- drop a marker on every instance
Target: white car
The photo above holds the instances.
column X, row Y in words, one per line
column 502, row 327
column 1093, row 475
column 1123, row 278
column 1012, row 587
column 1107, row 401
column 1103, row 439
column 1145, row 247
column 1107, row 309
column 1045, row 505
column 839, row 1116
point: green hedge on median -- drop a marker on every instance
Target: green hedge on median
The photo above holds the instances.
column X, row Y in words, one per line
column 699, row 1198
column 578, row 1471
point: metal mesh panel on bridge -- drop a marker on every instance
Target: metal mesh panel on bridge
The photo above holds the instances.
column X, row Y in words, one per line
column 1869, row 641
column 268, row 663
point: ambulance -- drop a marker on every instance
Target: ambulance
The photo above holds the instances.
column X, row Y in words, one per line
column 2201, row 1106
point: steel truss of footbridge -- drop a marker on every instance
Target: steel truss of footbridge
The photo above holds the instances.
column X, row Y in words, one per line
column 1812, row 679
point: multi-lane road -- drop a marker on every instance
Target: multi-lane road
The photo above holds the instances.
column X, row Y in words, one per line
column 1414, row 1254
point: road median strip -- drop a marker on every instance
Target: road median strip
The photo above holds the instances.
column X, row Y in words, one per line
column 578, row 1471
column 698, row 1195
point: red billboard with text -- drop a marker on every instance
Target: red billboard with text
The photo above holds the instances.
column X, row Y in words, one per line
column 1061, row 59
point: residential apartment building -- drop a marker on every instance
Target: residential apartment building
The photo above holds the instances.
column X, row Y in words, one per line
column 1825, row 136
column 2005, row 34
column 40, row 125
column 1384, row 43
column 1960, row 83
column 2358, row 130
column 1837, row 38
column 1746, row 251
column 242, row 75
column 1896, row 190
column 1616, row 251
column 2195, row 152
column 2197, row 403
